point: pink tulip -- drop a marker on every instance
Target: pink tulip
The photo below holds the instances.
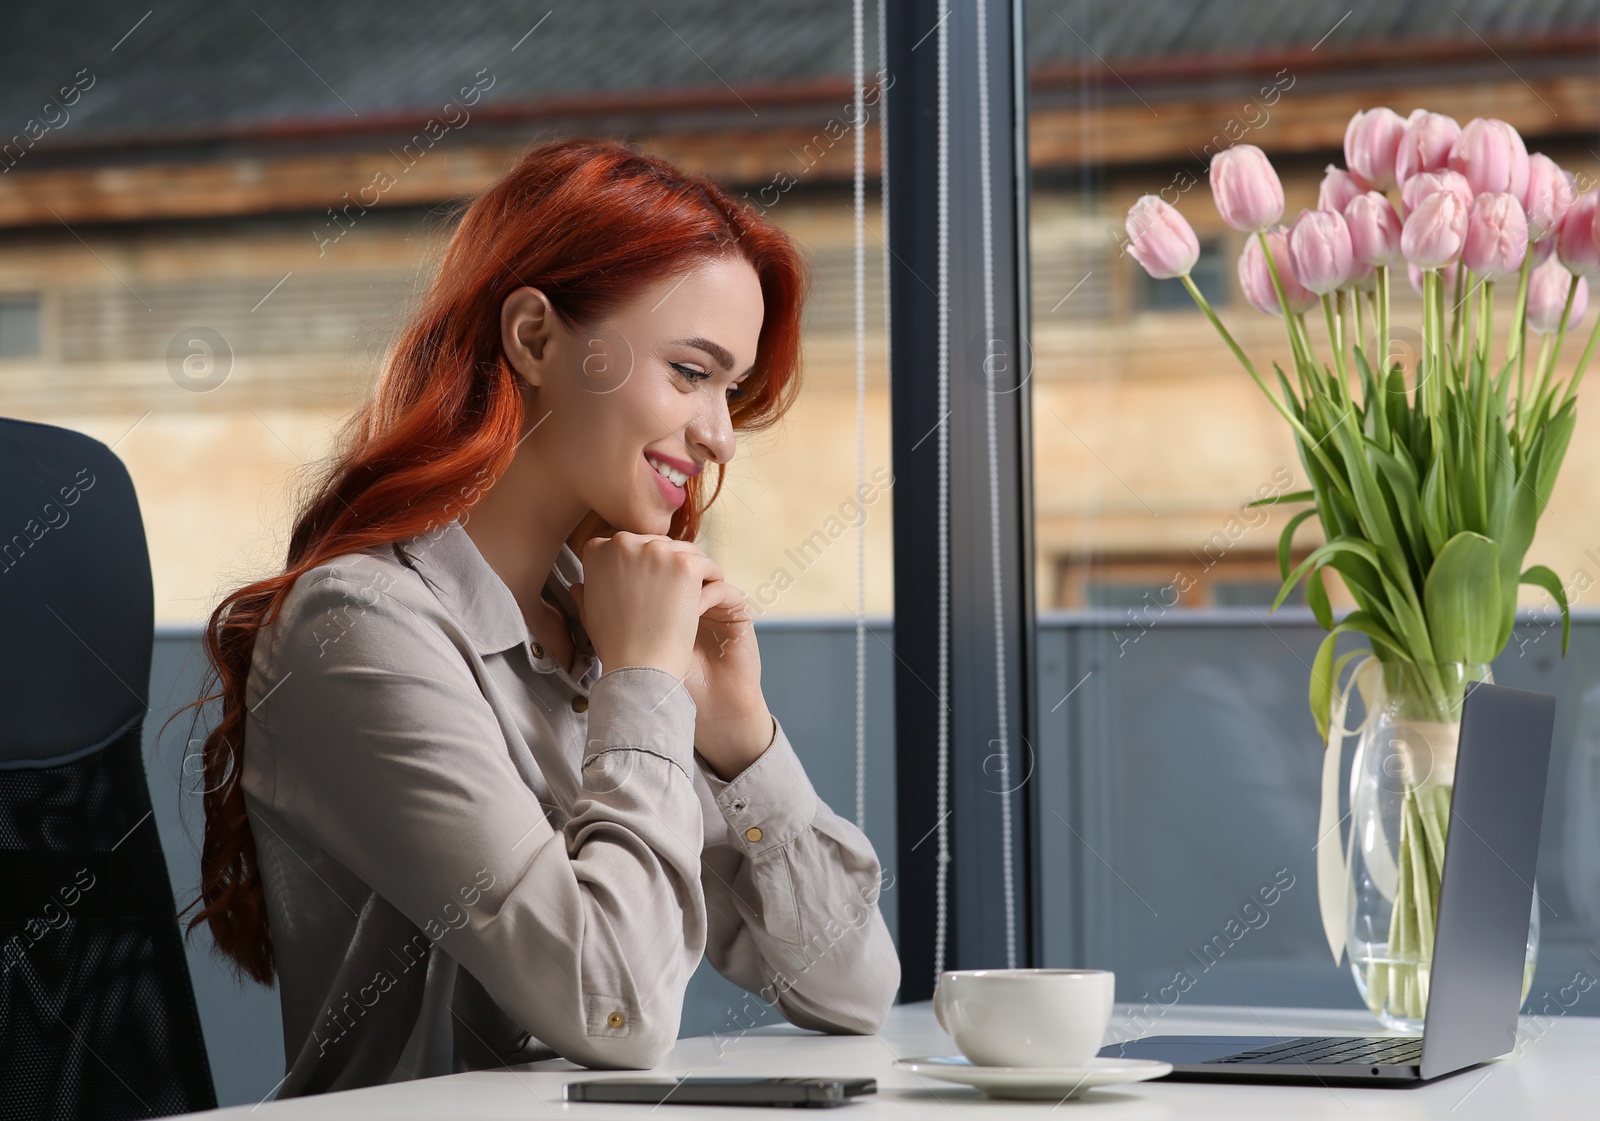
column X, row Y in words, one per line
column 1246, row 188
column 1547, row 296
column 1374, row 229
column 1551, row 192
column 1491, row 155
column 1447, row 276
column 1425, row 145
column 1426, row 182
column 1575, row 243
column 1371, row 140
column 1497, row 236
column 1256, row 280
column 1338, row 188
column 1319, row 246
column 1161, row 239
column 1434, row 232
column 1541, row 251
column 1362, row 276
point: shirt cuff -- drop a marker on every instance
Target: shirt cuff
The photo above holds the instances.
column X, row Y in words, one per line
column 769, row 802
column 642, row 708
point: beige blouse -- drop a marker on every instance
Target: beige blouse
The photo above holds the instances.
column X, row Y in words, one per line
column 473, row 858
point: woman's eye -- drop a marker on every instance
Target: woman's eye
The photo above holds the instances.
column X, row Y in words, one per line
column 700, row 374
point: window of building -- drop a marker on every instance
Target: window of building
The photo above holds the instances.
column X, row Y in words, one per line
column 1210, row 275
column 19, row 326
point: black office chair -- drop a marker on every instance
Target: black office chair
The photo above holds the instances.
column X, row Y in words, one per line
column 97, row 1014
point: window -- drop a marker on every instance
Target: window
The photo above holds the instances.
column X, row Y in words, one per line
column 19, row 326
column 1210, row 275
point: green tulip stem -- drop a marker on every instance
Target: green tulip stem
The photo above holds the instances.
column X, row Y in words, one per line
column 1519, row 317
column 1381, row 313
column 1337, row 344
column 1458, row 325
column 1583, row 364
column 1549, row 355
column 1298, row 342
column 1485, row 323
column 1361, row 327
column 1433, row 328
column 1300, row 430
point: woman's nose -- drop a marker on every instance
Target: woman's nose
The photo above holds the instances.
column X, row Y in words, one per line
column 712, row 432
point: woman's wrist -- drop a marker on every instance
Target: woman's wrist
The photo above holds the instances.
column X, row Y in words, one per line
column 733, row 744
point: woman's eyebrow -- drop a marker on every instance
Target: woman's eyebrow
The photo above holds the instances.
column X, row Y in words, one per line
column 716, row 350
column 720, row 353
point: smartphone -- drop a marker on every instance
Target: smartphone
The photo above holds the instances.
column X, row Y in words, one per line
column 803, row 1092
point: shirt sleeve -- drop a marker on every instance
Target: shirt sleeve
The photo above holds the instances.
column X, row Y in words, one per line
column 792, row 893
column 387, row 754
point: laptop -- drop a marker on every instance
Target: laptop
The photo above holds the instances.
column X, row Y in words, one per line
column 1480, row 943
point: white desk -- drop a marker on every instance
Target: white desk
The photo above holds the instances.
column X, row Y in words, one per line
column 1557, row 1075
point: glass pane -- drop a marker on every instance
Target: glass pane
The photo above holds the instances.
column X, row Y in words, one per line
column 19, row 326
column 1180, row 758
column 227, row 270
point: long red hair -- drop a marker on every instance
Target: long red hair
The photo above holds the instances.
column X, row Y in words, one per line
column 590, row 223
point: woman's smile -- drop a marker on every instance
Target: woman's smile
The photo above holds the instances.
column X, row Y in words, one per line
column 671, row 475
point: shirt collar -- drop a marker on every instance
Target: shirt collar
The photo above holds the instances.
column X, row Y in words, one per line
column 449, row 561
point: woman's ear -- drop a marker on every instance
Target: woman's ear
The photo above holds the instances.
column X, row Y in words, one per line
column 526, row 323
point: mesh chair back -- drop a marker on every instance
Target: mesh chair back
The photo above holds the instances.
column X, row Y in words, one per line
column 97, row 1013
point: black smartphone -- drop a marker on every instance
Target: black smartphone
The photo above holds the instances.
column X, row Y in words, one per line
column 802, row 1092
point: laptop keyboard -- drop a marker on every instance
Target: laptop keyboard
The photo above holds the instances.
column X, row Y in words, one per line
column 1356, row 1050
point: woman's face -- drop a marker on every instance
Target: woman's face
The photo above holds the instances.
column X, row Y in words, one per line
column 621, row 413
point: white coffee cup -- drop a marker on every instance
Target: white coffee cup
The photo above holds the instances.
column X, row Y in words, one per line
column 1026, row 1017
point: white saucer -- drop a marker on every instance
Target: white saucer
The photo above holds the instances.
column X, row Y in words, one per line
column 1035, row 1082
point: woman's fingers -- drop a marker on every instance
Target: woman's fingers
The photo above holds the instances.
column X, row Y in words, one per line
column 725, row 601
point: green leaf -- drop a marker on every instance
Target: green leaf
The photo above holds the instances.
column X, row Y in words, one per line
column 1545, row 578
column 1462, row 599
column 1557, row 434
column 1376, row 633
column 1320, row 557
column 1286, row 540
column 1280, row 499
column 1399, row 405
column 1325, row 671
column 1401, row 477
column 1320, row 694
column 1435, row 509
column 1317, row 600
column 1375, row 420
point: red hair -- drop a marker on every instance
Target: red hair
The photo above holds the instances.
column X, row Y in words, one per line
column 590, row 223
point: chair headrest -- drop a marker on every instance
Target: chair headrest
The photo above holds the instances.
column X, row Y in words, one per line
column 77, row 608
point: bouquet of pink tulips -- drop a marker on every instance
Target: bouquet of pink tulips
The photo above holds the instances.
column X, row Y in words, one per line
column 1428, row 492
column 1428, row 483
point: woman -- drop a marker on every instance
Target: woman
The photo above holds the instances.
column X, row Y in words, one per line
column 494, row 768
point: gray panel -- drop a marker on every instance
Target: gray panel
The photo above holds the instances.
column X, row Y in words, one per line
column 243, row 1030
column 1190, row 773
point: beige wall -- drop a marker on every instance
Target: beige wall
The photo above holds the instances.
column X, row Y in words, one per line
column 217, row 472
column 1147, row 437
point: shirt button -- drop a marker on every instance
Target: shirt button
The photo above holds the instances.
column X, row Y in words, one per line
column 616, row 1020
column 580, row 704
column 538, row 651
column 753, row 833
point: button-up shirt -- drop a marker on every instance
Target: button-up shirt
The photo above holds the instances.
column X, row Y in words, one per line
column 474, row 856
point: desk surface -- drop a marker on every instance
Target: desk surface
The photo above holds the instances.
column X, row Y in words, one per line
column 1556, row 1074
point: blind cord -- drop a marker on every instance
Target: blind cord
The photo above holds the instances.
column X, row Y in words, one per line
column 943, row 472
column 990, row 408
column 859, row 30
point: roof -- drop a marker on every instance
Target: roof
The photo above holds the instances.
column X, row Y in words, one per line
column 196, row 70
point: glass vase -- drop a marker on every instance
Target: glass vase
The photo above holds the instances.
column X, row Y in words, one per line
column 1400, row 785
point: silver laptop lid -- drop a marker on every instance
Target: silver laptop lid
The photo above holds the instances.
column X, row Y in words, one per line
column 1486, row 888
